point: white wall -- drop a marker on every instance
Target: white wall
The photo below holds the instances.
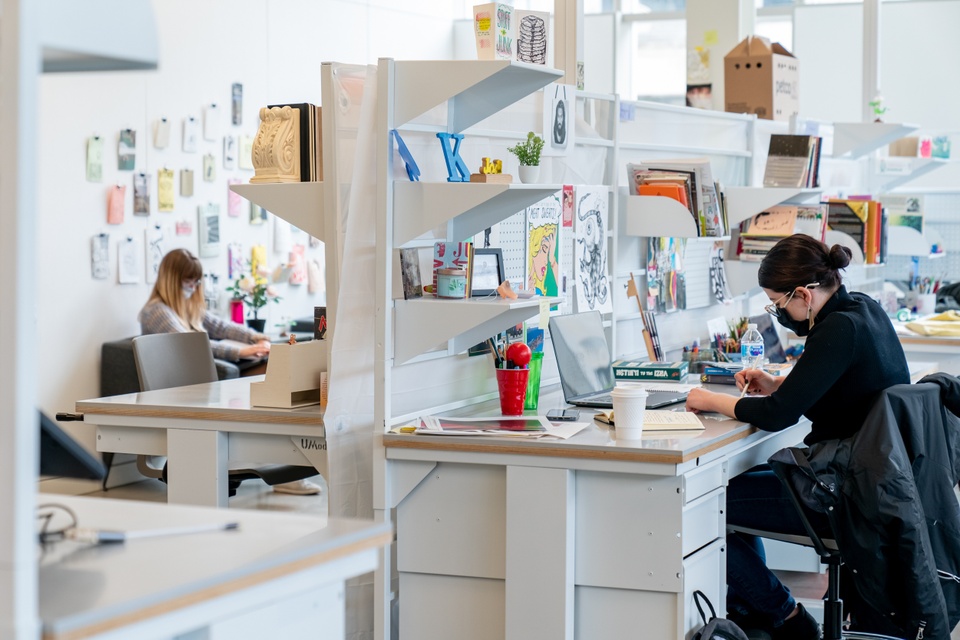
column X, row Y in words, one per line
column 273, row 47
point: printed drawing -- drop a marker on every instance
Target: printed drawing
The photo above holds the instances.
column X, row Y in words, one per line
column 532, row 40
column 543, row 247
column 593, row 291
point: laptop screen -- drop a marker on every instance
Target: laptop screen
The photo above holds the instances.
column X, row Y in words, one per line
column 583, row 357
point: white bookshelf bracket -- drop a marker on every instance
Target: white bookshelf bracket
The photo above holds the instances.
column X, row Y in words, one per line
column 659, row 216
column 856, row 139
column 299, row 203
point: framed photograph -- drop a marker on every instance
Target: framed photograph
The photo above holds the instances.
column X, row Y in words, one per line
column 487, row 272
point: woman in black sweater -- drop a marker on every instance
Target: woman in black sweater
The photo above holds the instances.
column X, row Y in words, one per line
column 851, row 354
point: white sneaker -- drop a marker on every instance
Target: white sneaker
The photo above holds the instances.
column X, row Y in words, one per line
column 298, row 488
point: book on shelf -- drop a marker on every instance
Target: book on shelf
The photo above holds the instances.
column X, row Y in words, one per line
column 310, row 140
column 633, row 370
column 761, row 232
column 861, row 218
column 793, row 161
column 694, row 183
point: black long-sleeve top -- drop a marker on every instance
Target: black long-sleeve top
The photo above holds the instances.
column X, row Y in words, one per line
column 851, row 354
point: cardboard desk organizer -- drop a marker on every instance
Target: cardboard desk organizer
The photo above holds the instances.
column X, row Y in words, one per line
column 293, row 376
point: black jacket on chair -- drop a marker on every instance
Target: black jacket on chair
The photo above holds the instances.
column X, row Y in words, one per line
column 888, row 492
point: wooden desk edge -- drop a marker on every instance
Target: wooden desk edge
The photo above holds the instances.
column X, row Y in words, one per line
column 151, row 611
column 482, row 444
column 213, row 415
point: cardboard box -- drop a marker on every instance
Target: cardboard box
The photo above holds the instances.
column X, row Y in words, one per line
column 761, row 78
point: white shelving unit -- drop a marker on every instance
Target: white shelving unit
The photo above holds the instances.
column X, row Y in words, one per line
column 857, row 139
column 906, row 241
column 465, row 208
column 299, row 203
column 431, row 322
column 886, row 174
column 741, row 276
column 746, row 202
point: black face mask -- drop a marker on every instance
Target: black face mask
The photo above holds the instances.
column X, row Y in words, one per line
column 799, row 327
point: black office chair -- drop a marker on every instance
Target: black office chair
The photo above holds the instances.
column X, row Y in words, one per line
column 166, row 360
column 829, row 555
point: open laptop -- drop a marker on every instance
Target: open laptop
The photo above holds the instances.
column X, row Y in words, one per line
column 583, row 359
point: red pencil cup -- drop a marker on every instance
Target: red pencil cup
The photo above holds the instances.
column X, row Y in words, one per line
column 512, row 384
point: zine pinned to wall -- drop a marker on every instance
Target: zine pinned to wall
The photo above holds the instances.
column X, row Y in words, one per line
column 191, row 131
column 95, row 159
column 100, row 256
column 590, row 250
column 208, row 223
column 161, row 134
column 115, row 204
column 153, row 241
column 543, row 247
column 141, row 194
column 127, row 268
column 127, row 150
column 165, row 190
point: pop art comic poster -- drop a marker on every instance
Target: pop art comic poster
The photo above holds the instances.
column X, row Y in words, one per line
column 543, row 247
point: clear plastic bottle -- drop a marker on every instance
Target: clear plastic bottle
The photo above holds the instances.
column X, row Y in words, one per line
column 751, row 348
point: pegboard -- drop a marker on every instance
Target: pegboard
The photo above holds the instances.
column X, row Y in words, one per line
column 941, row 213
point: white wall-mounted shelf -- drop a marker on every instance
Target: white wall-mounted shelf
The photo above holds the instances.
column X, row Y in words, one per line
column 890, row 173
column 299, row 203
column 659, row 216
column 907, row 241
column 741, row 276
column 475, row 89
column 746, row 202
column 467, row 208
column 425, row 323
column 857, row 139
column 832, row 237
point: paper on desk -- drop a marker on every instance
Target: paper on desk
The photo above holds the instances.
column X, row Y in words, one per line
column 526, row 427
column 661, row 420
column 661, row 386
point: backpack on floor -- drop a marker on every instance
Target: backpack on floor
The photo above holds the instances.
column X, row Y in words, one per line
column 715, row 628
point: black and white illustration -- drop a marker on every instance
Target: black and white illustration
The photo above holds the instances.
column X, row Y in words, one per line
column 208, row 226
column 558, row 119
column 100, row 256
column 532, row 37
column 590, row 250
column 153, row 237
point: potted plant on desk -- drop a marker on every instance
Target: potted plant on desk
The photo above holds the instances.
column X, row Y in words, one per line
column 528, row 153
column 253, row 290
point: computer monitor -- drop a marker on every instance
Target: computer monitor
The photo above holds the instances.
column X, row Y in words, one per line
column 61, row 455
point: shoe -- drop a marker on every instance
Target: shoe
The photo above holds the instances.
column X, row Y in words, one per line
column 802, row 626
column 298, row 488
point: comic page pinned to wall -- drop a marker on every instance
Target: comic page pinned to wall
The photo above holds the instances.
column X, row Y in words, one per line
column 100, row 256
column 543, row 247
column 127, row 253
column 590, row 250
column 153, row 237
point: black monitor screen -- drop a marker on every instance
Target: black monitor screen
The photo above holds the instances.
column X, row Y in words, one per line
column 61, row 455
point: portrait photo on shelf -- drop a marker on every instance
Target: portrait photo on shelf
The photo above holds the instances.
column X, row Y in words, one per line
column 487, row 272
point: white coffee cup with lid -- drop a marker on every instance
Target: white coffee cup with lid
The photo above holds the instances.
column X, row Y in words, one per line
column 629, row 404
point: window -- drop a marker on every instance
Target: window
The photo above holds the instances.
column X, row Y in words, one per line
column 658, row 68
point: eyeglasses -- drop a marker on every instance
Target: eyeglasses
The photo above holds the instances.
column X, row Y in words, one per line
column 775, row 308
column 195, row 283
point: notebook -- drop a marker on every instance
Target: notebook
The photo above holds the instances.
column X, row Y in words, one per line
column 583, row 360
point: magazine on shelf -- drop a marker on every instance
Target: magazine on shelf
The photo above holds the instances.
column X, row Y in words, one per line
column 695, row 178
column 792, row 161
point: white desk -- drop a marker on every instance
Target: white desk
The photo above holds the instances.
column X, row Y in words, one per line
column 584, row 538
column 203, row 429
column 279, row 575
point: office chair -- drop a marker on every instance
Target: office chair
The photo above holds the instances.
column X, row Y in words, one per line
column 829, row 554
column 166, row 360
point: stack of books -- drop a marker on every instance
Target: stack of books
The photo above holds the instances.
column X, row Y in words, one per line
column 864, row 220
column 793, row 161
column 309, row 141
column 759, row 233
column 689, row 182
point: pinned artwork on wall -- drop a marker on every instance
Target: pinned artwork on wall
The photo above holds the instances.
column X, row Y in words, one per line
column 568, row 205
column 298, row 264
column 209, row 167
column 245, row 153
column 191, row 131
column 229, row 152
column 165, row 190
column 127, row 150
column 234, row 201
column 95, row 159
column 718, row 274
column 161, row 134
column 234, row 260
column 127, row 253
column 258, row 215
column 211, row 122
column 141, row 194
column 186, row 182
column 590, row 250
column 236, row 104
column 153, row 241
column 116, row 199
column 558, row 119
column 208, row 225
column 183, row 228
column 543, row 247
column 100, row 256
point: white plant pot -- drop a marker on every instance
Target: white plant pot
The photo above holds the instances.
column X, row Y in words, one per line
column 529, row 175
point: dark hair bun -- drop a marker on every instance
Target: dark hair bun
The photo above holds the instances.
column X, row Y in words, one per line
column 839, row 256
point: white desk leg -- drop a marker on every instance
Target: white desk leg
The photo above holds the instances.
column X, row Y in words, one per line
column 197, row 467
column 540, row 554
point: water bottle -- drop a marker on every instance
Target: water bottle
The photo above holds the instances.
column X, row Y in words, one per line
column 751, row 348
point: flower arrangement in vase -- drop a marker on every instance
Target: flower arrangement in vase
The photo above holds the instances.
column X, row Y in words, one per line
column 253, row 290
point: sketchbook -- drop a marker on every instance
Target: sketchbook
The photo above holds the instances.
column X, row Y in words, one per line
column 660, row 420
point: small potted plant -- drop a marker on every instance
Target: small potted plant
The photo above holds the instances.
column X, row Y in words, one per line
column 253, row 290
column 528, row 153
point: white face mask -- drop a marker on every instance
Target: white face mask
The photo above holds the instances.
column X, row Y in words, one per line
column 188, row 290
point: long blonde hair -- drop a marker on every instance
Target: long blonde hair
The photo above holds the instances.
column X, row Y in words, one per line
column 177, row 266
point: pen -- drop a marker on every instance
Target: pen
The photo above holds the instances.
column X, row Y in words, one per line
column 101, row 536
